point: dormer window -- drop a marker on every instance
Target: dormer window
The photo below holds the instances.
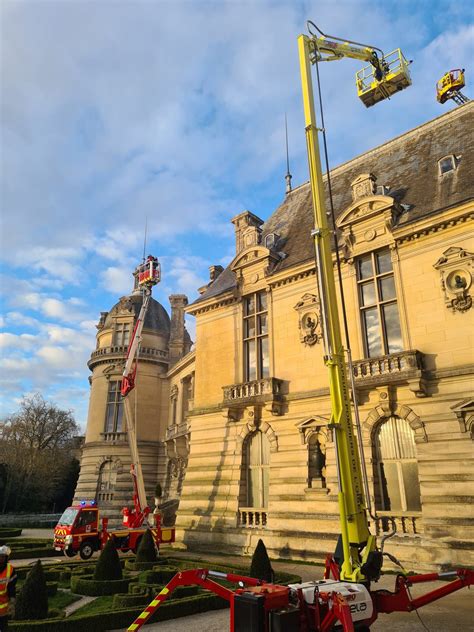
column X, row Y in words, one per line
column 270, row 240
column 382, row 189
column 447, row 164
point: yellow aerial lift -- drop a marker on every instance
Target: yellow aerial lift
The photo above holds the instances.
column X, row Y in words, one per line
column 450, row 86
column 345, row 602
column 361, row 560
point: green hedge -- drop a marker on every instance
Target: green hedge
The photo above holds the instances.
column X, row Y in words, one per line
column 121, row 619
column 158, row 575
column 9, row 532
column 26, row 553
column 94, row 588
column 51, row 588
column 130, row 601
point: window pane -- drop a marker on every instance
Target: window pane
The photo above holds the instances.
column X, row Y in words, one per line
column 254, row 487
column 249, row 327
column 109, row 420
column 250, row 305
column 391, row 486
column 392, row 328
column 387, row 288
column 368, row 293
column 384, row 261
column 262, row 301
column 265, row 486
column 372, row 332
column 251, row 361
column 119, row 417
column 365, row 267
column 412, row 486
column 264, row 357
column 262, row 324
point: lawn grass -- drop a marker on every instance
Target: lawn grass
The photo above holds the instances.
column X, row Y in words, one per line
column 62, row 599
column 101, row 604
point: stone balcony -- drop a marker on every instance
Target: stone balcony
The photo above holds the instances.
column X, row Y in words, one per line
column 118, row 352
column 266, row 392
column 178, row 430
column 406, row 366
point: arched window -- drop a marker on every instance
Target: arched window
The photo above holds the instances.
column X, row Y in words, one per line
column 256, row 468
column 106, row 482
column 397, row 486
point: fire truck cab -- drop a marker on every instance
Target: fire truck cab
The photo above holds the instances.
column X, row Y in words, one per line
column 79, row 531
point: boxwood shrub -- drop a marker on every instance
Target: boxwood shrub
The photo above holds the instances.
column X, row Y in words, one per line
column 158, row 575
column 121, row 619
column 9, row 532
column 129, row 601
column 94, row 588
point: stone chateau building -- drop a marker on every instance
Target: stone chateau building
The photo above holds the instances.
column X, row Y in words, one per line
column 236, row 430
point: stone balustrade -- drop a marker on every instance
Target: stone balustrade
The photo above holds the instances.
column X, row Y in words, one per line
column 252, row 517
column 105, row 497
column 114, row 437
column 177, row 430
column 388, row 368
column 106, row 353
column 405, row 523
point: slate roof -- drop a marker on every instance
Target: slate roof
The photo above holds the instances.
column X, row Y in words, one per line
column 156, row 318
column 407, row 164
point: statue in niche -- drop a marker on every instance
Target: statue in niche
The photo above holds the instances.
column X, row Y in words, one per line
column 308, row 326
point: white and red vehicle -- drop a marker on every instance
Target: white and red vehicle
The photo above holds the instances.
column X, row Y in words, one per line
column 79, row 529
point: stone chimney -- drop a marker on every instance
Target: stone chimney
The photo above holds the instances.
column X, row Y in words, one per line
column 178, row 339
column 214, row 272
column 248, row 230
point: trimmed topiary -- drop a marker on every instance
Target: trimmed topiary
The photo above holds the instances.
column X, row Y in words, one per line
column 260, row 567
column 146, row 549
column 108, row 565
column 32, row 600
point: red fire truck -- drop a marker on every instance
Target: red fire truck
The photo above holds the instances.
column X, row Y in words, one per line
column 79, row 529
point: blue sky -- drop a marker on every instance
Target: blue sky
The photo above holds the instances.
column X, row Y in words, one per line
column 113, row 112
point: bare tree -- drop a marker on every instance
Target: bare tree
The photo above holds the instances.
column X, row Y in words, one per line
column 36, row 449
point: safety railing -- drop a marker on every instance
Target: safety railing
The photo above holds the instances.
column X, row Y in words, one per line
column 252, row 517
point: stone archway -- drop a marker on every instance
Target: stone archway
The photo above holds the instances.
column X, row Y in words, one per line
column 382, row 413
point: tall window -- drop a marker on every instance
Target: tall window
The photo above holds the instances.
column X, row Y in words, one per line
column 258, row 468
column 114, row 412
column 316, row 462
column 122, row 334
column 378, row 304
column 256, row 356
column 107, row 481
column 397, row 487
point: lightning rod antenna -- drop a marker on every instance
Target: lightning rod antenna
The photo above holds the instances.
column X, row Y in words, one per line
column 288, row 174
column 144, row 240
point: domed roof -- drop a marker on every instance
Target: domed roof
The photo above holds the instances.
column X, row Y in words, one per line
column 156, row 318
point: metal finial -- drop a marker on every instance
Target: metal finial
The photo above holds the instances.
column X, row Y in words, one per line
column 288, row 174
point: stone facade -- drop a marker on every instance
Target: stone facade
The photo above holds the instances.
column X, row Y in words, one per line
column 418, row 222
column 241, row 436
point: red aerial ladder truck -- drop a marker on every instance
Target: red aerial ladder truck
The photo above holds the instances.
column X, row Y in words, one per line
column 78, row 528
column 346, row 601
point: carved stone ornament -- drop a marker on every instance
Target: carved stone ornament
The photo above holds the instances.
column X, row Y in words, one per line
column 363, row 186
column 100, row 325
column 456, row 268
column 173, row 391
column 464, row 412
column 309, row 321
column 125, row 305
